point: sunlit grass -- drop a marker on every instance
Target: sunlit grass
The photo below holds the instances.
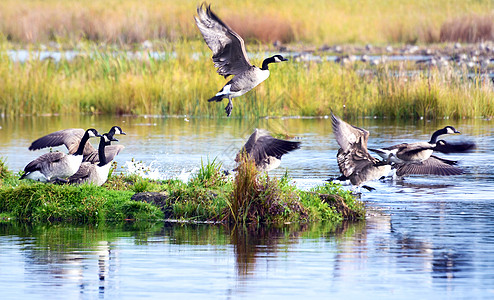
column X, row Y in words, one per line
column 112, row 81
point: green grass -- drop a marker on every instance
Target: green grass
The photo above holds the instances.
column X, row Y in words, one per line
column 101, row 82
column 208, row 196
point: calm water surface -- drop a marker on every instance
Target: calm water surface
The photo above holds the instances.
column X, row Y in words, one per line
column 428, row 237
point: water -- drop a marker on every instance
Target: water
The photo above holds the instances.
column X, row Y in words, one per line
column 427, row 236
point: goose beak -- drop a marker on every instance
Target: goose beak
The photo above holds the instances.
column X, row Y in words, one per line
column 456, row 131
column 113, row 139
column 123, row 133
column 284, row 59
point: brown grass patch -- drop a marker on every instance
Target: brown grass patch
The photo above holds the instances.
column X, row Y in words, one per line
column 266, row 29
column 468, row 29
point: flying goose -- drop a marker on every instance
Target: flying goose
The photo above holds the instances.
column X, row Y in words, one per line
column 71, row 139
column 230, row 57
column 95, row 173
column 414, row 152
column 354, row 161
column 57, row 164
column 266, row 150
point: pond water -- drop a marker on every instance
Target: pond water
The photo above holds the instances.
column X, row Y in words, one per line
column 426, row 236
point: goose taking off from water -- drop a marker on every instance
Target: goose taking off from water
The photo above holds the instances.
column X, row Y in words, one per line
column 57, row 164
column 417, row 158
column 266, row 150
column 94, row 173
column 230, row 57
column 71, row 139
column 354, row 161
column 419, row 151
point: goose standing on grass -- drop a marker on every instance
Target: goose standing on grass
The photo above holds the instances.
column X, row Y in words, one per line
column 266, row 150
column 57, row 164
column 354, row 161
column 230, row 57
column 95, row 173
column 71, row 139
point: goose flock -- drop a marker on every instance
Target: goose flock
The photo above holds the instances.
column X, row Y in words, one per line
column 85, row 164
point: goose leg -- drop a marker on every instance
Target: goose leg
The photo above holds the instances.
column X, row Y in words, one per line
column 229, row 107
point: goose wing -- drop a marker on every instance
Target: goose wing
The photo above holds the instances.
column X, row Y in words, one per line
column 68, row 137
column 430, row 166
column 110, row 153
column 229, row 55
column 348, row 135
column 83, row 174
column 268, row 146
column 44, row 159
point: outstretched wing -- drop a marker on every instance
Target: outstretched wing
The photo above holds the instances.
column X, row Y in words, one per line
column 229, row 54
column 110, row 153
column 348, row 135
column 431, row 166
column 68, row 137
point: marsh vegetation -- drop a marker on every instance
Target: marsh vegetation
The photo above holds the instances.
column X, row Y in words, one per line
column 209, row 196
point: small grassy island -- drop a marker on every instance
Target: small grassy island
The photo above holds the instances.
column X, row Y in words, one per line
column 209, row 196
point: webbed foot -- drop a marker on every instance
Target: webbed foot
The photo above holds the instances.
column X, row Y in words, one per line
column 229, row 108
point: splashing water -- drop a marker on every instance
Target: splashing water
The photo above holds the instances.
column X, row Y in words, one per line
column 151, row 172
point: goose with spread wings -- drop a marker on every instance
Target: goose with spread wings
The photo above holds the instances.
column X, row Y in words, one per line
column 230, row 57
column 266, row 150
column 71, row 139
column 418, row 158
column 354, row 161
column 58, row 164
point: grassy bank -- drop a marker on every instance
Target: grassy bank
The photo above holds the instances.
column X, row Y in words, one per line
column 314, row 22
column 111, row 81
column 208, row 196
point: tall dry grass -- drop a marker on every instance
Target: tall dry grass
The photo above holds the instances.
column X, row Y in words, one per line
column 468, row 29
column 308, row 21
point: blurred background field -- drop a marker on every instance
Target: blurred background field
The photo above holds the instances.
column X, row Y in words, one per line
column 314, row 22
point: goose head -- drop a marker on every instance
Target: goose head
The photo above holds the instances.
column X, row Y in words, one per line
column 450, row 130
column 278, row 58
column 445, row 130
column 91, row 132
column 273, row 59
column 116, row 130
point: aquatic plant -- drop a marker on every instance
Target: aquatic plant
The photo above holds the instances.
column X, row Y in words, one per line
column 261, row 199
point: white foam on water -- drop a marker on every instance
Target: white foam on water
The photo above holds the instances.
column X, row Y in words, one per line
column 153, row 172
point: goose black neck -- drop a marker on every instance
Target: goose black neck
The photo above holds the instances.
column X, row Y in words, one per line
column 82, row 144
column 266, row 62
column 101, row 152
column 435, row 135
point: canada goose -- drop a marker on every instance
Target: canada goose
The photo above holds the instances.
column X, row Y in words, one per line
column 95, row 173
column 110, row 150
column 414, row 152
column 230, row 57
column 436, row 165
column 71, row 139
column 266, row 150
column 354, row 161
column 58, row 164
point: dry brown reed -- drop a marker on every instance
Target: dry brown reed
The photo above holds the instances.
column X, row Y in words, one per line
column 468, row 29
column 317, row 22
